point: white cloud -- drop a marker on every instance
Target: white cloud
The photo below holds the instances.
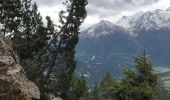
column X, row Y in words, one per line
column 110, row 10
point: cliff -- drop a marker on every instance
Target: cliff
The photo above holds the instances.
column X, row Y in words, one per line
column 13, row 83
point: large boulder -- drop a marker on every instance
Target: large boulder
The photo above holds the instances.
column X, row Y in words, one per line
column 13, row 83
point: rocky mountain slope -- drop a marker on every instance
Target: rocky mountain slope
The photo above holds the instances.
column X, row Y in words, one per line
column 13, row 83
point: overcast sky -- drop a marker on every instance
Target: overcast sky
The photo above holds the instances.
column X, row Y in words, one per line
column 111, row 10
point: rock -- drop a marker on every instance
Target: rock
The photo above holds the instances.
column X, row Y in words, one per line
column 13, row 83
column 52, row 97
column 49, row 96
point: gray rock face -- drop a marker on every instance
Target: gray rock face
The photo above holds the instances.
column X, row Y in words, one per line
column 13, row 83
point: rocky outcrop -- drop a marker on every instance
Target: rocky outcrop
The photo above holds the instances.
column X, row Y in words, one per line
column 13, row 83
column 48, row 96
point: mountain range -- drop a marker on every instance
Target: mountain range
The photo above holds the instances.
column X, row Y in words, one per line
column 109, row 47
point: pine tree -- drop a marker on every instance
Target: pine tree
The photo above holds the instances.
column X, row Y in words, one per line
column 145, row 70
column 141, row 85
column 33, row 35
column 108, row 87
column 78, row 88
column 60, row 64
column 94, row 94
column 127, row 84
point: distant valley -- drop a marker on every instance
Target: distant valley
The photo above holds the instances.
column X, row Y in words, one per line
column 109, row 47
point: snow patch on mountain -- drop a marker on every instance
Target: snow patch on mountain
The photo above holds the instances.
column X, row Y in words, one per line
column 103, row 28
column 168, row 9
column 126, row 21
column 93, row 57
column 144, row 21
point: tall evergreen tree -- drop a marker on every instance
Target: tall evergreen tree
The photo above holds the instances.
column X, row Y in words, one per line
column 145, row 70
column 94, row 94
column 32, row 36
column 108, row 87
column 60, row 64
column 78, row 88
column 141, row 85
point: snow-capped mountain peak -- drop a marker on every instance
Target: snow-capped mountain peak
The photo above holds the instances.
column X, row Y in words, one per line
column 103, row 28
column 143, row 21
column 105, row 22
column 126, row 21
column 168, row 9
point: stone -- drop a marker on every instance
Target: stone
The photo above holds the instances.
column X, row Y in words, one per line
column 14, row 84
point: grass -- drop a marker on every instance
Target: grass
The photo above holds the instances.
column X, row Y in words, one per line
column 167, row 85
column 164, row 71
column 166, row 78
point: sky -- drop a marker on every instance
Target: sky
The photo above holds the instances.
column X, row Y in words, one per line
column 111, row 10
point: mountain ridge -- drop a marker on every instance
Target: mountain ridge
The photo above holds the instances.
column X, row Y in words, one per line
column 150, row 20
column 102, row 28
column 140, row 21
column 108, row 47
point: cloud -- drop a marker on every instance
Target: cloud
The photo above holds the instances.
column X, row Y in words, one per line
column 94, row 11
column 102, row 8
column 111, row 10
column 48, row 3
column 114, row 7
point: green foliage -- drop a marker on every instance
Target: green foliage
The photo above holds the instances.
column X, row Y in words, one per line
column 78, row 88
column 139, row 85
column 92, row 95
column 163, row 92
column 94, row 92
column 32, row 35
column 145, row 70
column 22, row 22
column 106, row 90
column 108, row 87
column 10, row 15
column 58, row 60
